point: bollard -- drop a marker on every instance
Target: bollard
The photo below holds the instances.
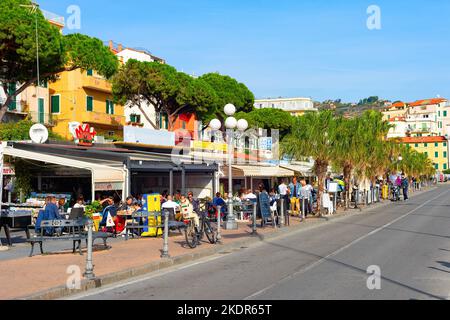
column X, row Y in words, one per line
column 219, row 222
column 89, row 273
column 165, row 250
column 282, row 212
column 254, row 231
column 303, row 209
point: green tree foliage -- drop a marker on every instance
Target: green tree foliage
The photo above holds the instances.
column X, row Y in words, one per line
column 57, row 53
column 229, row 90
column 19, row 131
column 269, row 119
column 313, row 136
column 172, row 92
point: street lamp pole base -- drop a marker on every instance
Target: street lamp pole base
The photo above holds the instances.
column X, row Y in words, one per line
column 231, row 224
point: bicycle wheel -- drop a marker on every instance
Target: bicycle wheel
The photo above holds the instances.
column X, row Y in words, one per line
column 211, row 232
column 191, row 236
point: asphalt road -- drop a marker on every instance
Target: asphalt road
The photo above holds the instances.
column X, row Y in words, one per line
column 408, row 241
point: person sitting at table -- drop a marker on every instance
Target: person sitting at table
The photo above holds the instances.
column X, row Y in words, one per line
column 80, row 202
column 172, row 207
column 187, row 210
column 51, row 213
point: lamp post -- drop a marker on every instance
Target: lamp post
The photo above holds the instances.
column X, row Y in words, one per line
column 231, row 123
column 400, row 159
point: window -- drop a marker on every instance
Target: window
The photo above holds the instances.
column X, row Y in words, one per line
column 445, row 144
column 55, row 104
column 436, row 166
column 90, row 72
column 445, row 154
column 11, row 90
column 436, row 144
column 41, row 110
column 42, row 84
column 89, row 103
column 436, row 154
column 445, row 166
column 416, row 145
column 445, row 113
column 109, row 107
column 163, row 121
column 426, row 153
column 135, row 118
column 426, row 145
column 439, row 113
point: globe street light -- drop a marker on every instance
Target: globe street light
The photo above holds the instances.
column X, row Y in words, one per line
column 231, row 124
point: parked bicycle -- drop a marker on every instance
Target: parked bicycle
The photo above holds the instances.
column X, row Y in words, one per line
column 194, row 235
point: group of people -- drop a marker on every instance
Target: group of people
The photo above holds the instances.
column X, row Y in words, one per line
column 298, row 196
column 400, row 182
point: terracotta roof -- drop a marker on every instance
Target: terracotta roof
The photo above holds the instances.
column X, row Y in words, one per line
column 426, row 102
column 398, row 104
column 423, row 139
column 397, row 119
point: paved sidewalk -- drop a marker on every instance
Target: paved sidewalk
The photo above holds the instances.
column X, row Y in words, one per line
column 44, row 277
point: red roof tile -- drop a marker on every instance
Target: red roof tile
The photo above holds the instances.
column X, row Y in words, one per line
column 423, row 139
column 426, row 102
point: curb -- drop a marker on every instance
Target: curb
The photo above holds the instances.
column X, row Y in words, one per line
column 63, row 291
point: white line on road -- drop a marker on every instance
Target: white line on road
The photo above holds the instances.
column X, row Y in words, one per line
column 140, row 279
column 318, row 262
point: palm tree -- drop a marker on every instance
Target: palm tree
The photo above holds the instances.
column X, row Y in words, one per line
column 313, row 135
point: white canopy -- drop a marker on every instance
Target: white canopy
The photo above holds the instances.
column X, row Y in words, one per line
column 102, row 174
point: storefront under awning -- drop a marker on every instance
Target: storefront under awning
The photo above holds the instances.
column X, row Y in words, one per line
column 105, row 175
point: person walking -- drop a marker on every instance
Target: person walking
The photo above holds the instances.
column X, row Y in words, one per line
column 405, row 187
column 295, row 188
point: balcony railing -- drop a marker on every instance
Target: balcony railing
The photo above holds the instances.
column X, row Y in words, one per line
column 104, row 119
column 41, row 117
column 52, row 17
column 96, row 83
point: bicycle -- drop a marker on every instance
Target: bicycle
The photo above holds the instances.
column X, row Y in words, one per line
column 194, row 236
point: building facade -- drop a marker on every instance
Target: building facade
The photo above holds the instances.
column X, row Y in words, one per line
column 436, row 148
column 295, row 106
column 85, row 97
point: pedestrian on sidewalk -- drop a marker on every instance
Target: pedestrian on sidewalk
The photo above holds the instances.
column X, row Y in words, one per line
column 295, row 188
column 405, row 187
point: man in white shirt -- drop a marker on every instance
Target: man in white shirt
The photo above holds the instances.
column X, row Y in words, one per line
column 170, row 204
column 283, row 190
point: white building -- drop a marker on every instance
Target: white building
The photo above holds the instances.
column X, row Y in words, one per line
column 295, row 106
column 143, row 115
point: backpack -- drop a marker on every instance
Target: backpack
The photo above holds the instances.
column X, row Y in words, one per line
column 405, row 183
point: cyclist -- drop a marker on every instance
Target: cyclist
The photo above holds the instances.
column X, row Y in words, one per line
column 188, row 211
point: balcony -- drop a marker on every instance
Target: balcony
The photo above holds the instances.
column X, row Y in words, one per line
column 46, row 119
column 96, row 83
column 104, row 119
column 53, row 18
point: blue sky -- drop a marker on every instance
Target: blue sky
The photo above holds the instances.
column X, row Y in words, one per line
column 313, row 48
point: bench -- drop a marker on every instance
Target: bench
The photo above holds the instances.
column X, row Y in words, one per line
column 137, row 218
column 64, row 230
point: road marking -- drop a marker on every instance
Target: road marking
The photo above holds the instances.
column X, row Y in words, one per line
column 138, row 280
column 318, row 262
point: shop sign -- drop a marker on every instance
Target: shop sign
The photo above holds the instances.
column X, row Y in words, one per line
column 85, row 135
column 209, row 146
column 108, row 186
column 8, row 171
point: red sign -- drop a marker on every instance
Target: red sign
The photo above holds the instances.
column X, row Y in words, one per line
column 85, row 135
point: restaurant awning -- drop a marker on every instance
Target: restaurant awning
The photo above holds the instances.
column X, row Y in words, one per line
column 265, row 171
column 303, row 171
column 102, row 174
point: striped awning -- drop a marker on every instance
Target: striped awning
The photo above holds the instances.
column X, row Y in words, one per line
column 265, row 171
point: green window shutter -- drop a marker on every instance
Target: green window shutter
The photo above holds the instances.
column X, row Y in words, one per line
column 41, row 111
column 11, row 89
column 426, row 145
column 416, row 145
column 133, row 118
column 436, row 144
column 436, row 166
column 445, row 113
column 439, row 113
column 445, row 144
column 445, row 166
column 112, row 107
column 445, row 154
column 90, row 72
column 55, row 104
column 436, row 154
column 107, row 106
column 426, row 153
column 90, row 103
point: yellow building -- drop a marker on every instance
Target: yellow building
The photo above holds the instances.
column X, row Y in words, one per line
column 436, row 148
column 85, row 97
